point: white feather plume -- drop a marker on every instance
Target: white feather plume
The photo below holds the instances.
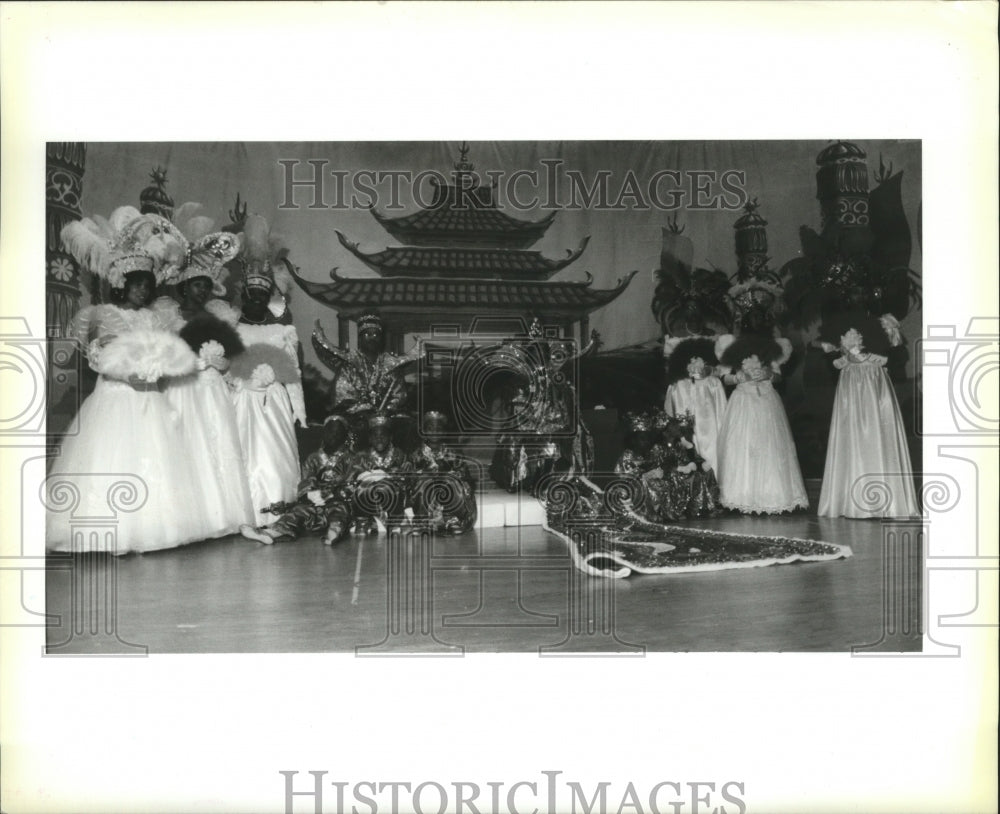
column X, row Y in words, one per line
column 88, row 242
column 123, row 216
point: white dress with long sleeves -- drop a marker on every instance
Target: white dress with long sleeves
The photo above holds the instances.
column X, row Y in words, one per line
column 266, row 412
column 758, row 465
column 122, row 460
column 705, row 399
column 211, row 440
column 868, row 471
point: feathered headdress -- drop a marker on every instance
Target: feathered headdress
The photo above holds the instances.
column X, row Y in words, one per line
column 127, row 241
column 265, row 263
column 208, row 251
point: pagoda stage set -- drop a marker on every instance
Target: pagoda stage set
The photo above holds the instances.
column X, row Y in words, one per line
column 635, row 355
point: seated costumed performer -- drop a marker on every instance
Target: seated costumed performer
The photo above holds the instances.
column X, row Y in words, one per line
column 446, row 494
column 369, row 380
column 325, row 496
column 382, row 479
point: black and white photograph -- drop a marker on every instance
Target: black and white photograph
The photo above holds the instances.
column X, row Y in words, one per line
column 453, row 407
column 446, row 396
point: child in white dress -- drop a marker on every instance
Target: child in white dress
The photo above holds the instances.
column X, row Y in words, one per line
column 868, row 471
column 758, row 466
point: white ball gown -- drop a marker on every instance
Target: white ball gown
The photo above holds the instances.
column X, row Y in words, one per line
column 126, row 435
column 868, row 471
column 705, row 399
column 210, row 437
column 267, row 395
column 758, row 467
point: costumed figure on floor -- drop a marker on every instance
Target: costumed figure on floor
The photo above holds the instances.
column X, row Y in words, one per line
column 692, row 487
column 324, row 502
column 265, row 377
column 867, row 441
column 126, row 426
column 203, row 399
column 673, row 481
column 382, row 479
column 547, row 433
column 369, row 381
column 758, row 466
column 445, row 490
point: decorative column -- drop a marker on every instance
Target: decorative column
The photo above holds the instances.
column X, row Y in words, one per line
column 64, row 165
column 842, row 188
column 751, row 243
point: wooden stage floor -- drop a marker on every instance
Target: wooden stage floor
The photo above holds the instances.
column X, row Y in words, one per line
column 494, row 590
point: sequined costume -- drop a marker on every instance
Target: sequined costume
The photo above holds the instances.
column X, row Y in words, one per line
column 388, row 494
column 549, row 434
column 331, row 475
column 365, row 384
column 674, row 481
column 444, row 488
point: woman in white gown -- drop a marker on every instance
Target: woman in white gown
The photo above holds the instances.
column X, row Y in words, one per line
column 868, row 471
column 691, row 388
column 758, row 466
column 202, row 399
column 126, row 435
column 266, row 381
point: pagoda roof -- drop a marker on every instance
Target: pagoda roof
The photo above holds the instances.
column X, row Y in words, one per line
column 461, row 262
column 404, row 295
column 464, row 216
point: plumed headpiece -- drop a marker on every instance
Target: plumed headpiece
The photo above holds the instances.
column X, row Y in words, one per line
column 208, row 251
column 378, row 420
column 264, row 262
column 127, row 241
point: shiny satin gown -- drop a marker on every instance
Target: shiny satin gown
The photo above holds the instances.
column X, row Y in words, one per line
column 265, row 418
column 211, row 440
column 867, row 447
column 705, row 399
column 123, row 435
column 758, row 467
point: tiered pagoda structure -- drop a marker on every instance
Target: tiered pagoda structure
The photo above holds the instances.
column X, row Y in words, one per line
column 463, row 260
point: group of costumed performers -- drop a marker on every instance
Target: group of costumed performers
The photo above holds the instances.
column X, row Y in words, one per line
column 190, row 400
column 545, row 433
column 746, row 440
column 675, row 482
column 347, row 486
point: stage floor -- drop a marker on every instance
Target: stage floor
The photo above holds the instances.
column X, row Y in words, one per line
column 502, row 589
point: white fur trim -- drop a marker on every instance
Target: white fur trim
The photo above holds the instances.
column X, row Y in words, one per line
column 150, row 355
column 722, row 343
